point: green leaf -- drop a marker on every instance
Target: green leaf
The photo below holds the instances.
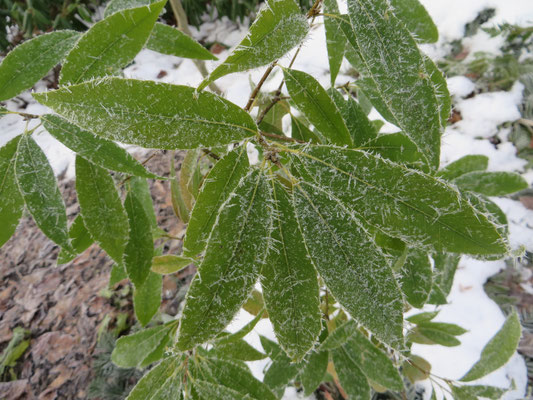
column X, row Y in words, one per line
column 210, row 390
column 147, row 298
column 464, row 165
column 236, row 250
column 416, row 277
column 429, row 335
column 238, row 350
column 491, row 183
column 301, row 132
column 278, row 27
column 118, row 273
column 444, row 268
column 416, row 368
column 232, row 375
column 281, row 371
column 398, row 148
column 110, row 44
column 339, row 336
column 339, row 246
column 375, row 364
column 168, row 40
column 452, row 329
column 160, row 350
column 163, row 382
column 358, row 124
column 178, row 202
column 393, row 69
column 79, row 238
column 474, row 392
column 140, row 247
column 381, row 193
column 188, row 167
column 170, row 264
column 335, row 39
column 313, row 101
column 150, row 114
column 314, row 371
column 102, row 152
column 141, row 189
column 221, row 181
column 351, row 378
column 11, row 201
column 498, row 350
column 131, row 350
column 255, row 304
column 38, row 187
column 245, row 330
column 417, row 20
column 118, row 5
column 289, row 281
column 27, row 63
column 101, row 208
column 422, row 317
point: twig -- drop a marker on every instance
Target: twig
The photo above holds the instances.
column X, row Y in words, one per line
column 283, row 138
column 211, row 154
column 259, row 86
column 183, row 25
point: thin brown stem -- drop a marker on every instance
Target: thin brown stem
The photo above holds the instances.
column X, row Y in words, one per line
column 183, row 25
column 282, row 138
column 211, row 154
column 315, row 10
column 255, row 92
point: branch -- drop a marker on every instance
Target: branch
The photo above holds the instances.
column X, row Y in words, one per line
column 183, row 25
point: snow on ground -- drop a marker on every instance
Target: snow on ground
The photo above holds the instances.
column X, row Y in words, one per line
column 469, row 305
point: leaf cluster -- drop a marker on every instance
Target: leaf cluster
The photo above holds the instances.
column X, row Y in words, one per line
column 343, row 227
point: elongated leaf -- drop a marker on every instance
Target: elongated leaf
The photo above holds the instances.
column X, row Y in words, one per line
column 452, row 329
column 394, row 69
column 178, row 202
column 118, row 273
column 464, row 165
column 101, row 152
column 374, row 363
column 187, row 170
column 445, row 265
column 210, row 390
column 11, row 201
column 160, row 383
column 339, row 246
column 131, row 350
column 245, row 330
column 498, row 350
column 358, row 124
column 381, row 193
column 118, row 5
column 221, row 181
column 140, row 247
column 168, row 40
column 147, row 298
column 232, row 375
column 141, row 189
column 477, row 391
column 314, row 370
column 398, row 148
column 491, row 183
column 235, row 252
column 339, row 336
column 289, row 282
column 238, row 350
column 416, row 277
column 422, row 317
column 281, row 371
column 101, row 208
column 110, row 44
column 301, row 132
column 335, row 39
column 425, row 335
column 150, row 114
column 352, row 379
column 27, row 63
column 79, row 238
column 416, row 18
column 313, row 101
column 38, row 186
column 169, row 264
column 278, row 27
